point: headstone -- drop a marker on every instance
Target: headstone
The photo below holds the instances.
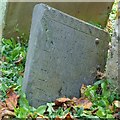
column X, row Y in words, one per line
column 113, row 61
column 98, row 13
column 63, row 54
column 3, row 4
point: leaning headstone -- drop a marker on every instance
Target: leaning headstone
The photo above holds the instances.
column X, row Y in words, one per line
column 63, row 54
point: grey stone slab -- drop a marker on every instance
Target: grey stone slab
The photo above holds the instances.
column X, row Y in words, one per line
column 98, row 13
column 62, row 54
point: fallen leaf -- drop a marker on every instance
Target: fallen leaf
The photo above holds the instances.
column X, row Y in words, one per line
column 116, row 103
column 19, row 60
column 6, row 117
column 68, row 117
column 68, row 104
column 58, row 118
column 111, row 107
column 60, row 101
column 7, row 113
column 117, row 110
column 12, row 99
column 117, row 116
column 0, row 114
column 74, row 99
column 83, row 102
column 82, row 90
column 100, row 75
column 41, row 117
column 2, row 105
column 64, row 106
column 4, row 112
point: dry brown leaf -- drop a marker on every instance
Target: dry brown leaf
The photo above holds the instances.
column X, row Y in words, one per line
column 64, row 106
column 0, row 114
column 117, row 110
column 2, row 108
column 116, row 103
column 82, row 90
column 2, row 105
column 100, row 75
column 68, row 117
column 41, row 117
column 117, row 116
column 58, row 118
column 4, row 112
column 60, row 101
column 111, row 107
column 12, row 99
column 83, row 102
column 19, row 60
column 7, row 113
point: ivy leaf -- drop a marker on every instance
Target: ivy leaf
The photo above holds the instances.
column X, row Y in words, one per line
column 50, row 108
column 41, row 109
column 22, row 112
column 80, row 111
column 12, row 99
column 100, row 113
column 109, row 116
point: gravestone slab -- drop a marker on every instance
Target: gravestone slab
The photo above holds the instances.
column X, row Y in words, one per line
column 98, row 13
column 113, row 60
column 63, row 53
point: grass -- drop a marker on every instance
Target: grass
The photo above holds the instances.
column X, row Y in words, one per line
column 100, row 94
column 12, row 68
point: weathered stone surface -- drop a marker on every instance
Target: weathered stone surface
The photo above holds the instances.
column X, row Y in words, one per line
column 113, row 61
column 17, row 12
column 62, row 55
column 2, row 14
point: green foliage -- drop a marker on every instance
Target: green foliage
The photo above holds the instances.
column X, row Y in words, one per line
column 11, row 72
column 102, row 97
column 41, row 109
column 112, row 17
column 79, row 112
column 52, row 113
column 25, row 110
column 100, row 94
column 50, row 109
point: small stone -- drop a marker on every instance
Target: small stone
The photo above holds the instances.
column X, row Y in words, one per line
column 97, row 41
